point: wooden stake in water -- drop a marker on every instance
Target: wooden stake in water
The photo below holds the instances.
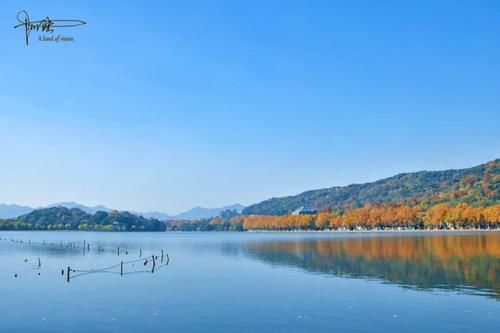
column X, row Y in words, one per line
column 121, row 268
column 67, row 275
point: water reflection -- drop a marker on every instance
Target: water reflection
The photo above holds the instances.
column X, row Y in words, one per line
column 469, row 263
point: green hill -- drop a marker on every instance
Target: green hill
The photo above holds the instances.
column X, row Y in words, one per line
column 62, row 218
column 477, row 186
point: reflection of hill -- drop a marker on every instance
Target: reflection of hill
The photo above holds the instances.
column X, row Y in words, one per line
column 437, row 261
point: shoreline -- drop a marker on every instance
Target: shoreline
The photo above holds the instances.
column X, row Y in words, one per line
column 373, row 231
column 279, row 231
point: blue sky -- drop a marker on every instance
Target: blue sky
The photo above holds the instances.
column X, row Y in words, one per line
column 165, row 105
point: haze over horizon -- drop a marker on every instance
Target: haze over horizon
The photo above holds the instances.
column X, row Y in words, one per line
column 66, row 203
column 214, row 105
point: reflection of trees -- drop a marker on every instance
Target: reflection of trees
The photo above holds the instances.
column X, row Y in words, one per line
column 437, row 261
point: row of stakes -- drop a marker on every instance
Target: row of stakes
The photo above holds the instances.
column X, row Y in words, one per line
column 153, row 258
column 61, row 244
column 86, row 246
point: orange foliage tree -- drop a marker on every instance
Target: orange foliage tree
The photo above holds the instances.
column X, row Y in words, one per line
column 440, row 216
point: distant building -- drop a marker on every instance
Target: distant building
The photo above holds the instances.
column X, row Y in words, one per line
column 228, row 213
column 118, row 226
column 304, row 211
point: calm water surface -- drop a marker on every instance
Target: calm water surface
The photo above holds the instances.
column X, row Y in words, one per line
column 249, row 282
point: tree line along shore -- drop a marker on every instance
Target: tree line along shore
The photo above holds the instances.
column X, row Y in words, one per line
column 368, row 217
column 426, row 200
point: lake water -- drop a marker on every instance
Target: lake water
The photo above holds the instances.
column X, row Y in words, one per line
column 250, row 282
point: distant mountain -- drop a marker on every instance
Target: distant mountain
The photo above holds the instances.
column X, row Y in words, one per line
column 94, row 209
column 476, row 186
column 154, row 215
column 192, row 214
column 200, row 212
column 11, row 211
column 87, row 209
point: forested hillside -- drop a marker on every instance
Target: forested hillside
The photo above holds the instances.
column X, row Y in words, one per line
column 476, row 186
column 62, row 218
